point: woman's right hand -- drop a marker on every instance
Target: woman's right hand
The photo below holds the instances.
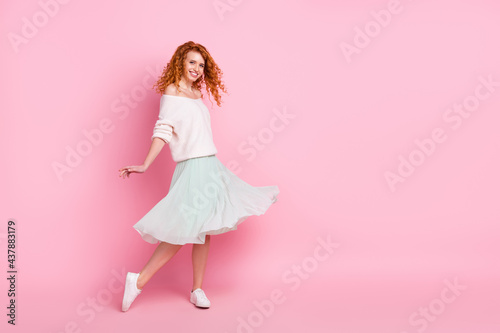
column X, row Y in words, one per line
column 126, row 171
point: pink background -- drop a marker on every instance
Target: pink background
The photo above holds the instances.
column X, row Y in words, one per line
column 352, row 118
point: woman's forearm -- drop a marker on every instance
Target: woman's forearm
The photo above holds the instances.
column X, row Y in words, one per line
column 154, row 150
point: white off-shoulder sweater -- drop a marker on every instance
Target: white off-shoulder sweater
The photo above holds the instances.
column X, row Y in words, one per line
column 184, row 124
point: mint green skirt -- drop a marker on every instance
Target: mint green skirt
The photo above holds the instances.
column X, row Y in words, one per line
column 205, row 198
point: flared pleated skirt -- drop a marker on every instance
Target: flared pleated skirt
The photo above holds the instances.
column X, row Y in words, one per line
column 205, row 198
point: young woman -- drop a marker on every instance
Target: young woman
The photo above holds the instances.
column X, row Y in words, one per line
column 205, row 198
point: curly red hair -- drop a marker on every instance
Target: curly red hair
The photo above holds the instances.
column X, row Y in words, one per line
column 211, row 78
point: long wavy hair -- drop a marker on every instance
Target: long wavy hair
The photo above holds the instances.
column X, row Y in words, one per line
column 211, row 78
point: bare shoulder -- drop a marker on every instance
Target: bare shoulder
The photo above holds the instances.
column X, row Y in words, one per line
column 171, row 89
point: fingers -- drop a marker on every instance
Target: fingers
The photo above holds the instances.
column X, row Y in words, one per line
column 124, row 172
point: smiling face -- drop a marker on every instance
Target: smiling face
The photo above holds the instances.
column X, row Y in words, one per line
column 193, row 66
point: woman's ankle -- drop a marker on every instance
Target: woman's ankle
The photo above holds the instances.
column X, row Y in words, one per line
column 140, row 283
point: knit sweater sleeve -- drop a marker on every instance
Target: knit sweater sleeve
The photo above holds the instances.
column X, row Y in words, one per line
column 164, row 126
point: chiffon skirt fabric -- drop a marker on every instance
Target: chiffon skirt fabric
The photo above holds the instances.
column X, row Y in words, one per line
column 205, row 198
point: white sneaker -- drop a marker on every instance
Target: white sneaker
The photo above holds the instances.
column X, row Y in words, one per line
column 131, row 291
column 199, row 299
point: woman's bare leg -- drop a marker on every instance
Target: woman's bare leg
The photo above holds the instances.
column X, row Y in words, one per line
column 200, row 255
column 163, row 253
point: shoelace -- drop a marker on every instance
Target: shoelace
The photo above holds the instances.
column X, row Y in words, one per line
column 201, row 295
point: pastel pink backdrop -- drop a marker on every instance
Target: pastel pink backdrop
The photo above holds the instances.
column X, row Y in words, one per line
column 350, row 117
